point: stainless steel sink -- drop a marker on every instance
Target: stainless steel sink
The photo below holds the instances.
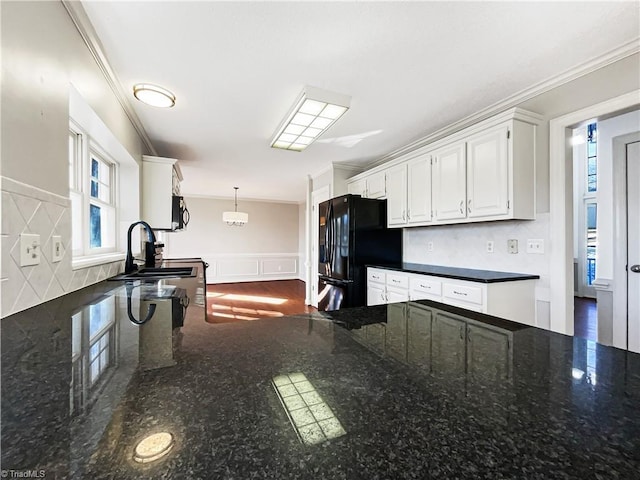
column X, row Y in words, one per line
column 149, row 273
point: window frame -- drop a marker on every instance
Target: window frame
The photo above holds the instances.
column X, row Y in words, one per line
column 80, row 178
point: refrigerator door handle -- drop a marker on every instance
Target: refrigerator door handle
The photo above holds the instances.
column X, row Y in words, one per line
column 329, row 231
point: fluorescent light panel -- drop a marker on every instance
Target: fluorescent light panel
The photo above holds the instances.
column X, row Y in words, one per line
column 314, row 112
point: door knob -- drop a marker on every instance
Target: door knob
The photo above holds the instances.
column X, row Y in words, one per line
column 635, row 268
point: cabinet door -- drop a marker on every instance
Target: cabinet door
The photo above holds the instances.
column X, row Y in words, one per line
column 359, row 187
column 488, row 174
column 419, row 189
column 376, row 294
column 489, row 356
column 395, row 295
column 397, row 195
column 376, row 185
column 449, row 182
column 449, row 346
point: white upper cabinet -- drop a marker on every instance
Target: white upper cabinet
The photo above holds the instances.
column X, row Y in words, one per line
column 449, row 182
column 481, row 173
column 397, row 195
column 161, row 179
column 376, row 185
column 488, row 173
column 358, row 187
column 372, row 186
column 419, row 190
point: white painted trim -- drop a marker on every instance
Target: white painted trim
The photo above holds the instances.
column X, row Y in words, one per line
column 603, row 284
column 253, row 267
column 561, row 205
column 620, row 255
column 91, row 261
column 623, row 51
column 83, row 25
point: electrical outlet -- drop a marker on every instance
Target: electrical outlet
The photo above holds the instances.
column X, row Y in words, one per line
column 512, row 245
column 490, row 246
column 56, row 248
column 535, row 246
column 29, row 249
column 429, row 246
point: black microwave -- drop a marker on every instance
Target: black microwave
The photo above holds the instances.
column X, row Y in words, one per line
column 179, row 213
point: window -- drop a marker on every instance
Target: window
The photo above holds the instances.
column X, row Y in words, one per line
column 592, row 158
column 92, row 177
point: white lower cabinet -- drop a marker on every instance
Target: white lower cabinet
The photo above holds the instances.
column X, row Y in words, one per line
column 513, row 300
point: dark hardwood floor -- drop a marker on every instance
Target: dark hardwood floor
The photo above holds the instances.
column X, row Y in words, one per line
column 247, row 301
column 585, row 318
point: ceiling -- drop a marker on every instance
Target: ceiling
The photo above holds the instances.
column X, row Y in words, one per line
column 410, row 67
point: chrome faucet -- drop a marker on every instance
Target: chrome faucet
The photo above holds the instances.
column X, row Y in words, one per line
column 129, row 266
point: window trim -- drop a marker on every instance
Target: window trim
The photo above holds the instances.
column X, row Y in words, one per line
column 86, row 149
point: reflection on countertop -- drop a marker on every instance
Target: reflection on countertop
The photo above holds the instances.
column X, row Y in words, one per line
column 408, row 390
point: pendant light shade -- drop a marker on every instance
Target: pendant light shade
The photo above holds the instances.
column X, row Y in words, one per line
column 235, row 218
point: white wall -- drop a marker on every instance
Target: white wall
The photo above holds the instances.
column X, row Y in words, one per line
column 43, row 54
column 266, row 248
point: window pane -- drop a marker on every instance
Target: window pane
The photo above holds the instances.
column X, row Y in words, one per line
column 76, row 222
column 95, row 232
column 592, row 238
column 592, row 166
column 94, row 189
column 94, row 168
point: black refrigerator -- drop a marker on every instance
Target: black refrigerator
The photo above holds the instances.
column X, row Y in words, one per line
column 352, row 233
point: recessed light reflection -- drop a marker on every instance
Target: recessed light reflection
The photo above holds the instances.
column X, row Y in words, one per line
column 577, row 373
column 311, row 417
column 153, row 447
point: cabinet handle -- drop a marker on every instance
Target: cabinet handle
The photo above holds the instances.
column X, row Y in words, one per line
column 462, row 332
column 464, row 294
column 395, row 281
column 469, row 206
column 408, row 214
column 404, row 215
column 462, row 206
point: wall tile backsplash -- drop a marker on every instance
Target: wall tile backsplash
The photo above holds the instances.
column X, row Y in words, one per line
column 26, row 209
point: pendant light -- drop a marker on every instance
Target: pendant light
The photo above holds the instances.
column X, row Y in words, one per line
column 235, row 218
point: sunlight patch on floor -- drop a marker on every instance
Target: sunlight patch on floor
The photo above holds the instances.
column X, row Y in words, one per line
column 264, row 313
column 247, row 298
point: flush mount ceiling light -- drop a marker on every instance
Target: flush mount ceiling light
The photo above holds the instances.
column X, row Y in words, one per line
column 235, row 218
column 314, row 112
column 154, row 95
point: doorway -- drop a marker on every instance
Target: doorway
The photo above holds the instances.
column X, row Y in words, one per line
column 561, row 226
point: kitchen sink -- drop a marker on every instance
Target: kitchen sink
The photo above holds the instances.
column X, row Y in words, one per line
column 150, row 273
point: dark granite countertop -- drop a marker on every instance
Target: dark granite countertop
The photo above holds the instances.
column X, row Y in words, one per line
column 470, row 274
column 410, row 390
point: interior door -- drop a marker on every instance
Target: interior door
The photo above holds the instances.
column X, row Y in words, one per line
column 633, row 245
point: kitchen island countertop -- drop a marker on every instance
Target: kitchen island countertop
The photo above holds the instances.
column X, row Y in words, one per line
column 409, row 390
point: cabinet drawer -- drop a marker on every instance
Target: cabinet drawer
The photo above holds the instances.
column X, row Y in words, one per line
column 463, row 293
column 375, row 276
column 395, row 280
column 426, row 285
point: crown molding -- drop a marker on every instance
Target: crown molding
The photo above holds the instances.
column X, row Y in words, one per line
column 243, row 199
column 619, row 53
column 90, row 37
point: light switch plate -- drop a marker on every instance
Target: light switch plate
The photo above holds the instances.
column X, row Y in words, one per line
column 56, row 248
column 29, row 249
column 512, row 245
column 429, row 246
column 535, row 245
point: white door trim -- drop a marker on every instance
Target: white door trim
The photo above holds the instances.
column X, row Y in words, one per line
column 561, row 205
column 620, row 256
column 317, row 196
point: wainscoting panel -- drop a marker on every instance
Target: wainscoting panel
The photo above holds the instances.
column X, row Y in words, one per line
column 252, row 267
